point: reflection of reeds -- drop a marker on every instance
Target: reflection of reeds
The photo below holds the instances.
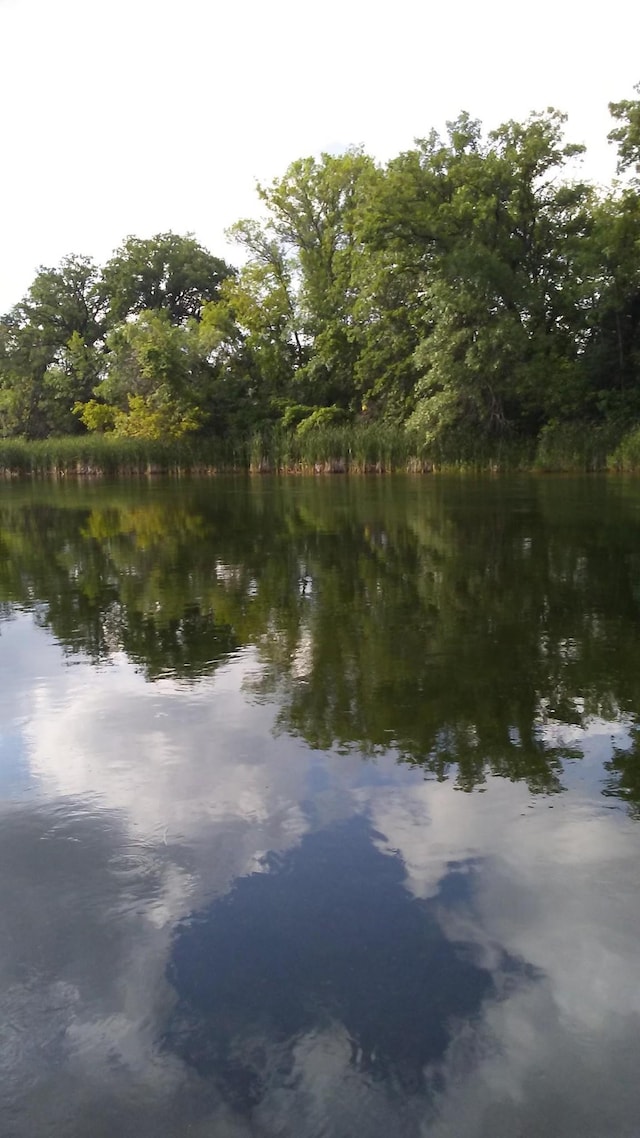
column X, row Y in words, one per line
column 359, row 449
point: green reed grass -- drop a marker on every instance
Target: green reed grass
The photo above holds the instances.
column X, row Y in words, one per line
column 357, row 449
column 626, row 455
column 101, row 455
column 580, row 446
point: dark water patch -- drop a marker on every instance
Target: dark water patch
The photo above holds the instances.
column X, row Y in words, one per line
column 326, row 935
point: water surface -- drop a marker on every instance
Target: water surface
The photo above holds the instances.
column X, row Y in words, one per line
column 319, row 808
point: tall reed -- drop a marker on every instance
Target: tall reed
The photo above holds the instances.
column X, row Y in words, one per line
column 580, row 446
column 357, row 449
column 102, row 455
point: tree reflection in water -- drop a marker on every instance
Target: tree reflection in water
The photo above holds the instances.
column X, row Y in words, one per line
column 461, row 622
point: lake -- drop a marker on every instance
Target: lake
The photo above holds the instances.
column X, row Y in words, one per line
column 320, row 808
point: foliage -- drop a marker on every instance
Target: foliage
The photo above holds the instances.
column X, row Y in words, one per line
column 168, row 272
column 627, row 134
column 155, row 416
column 49, row 349
column 96, row 416
column 626, row 455
column 472, row 292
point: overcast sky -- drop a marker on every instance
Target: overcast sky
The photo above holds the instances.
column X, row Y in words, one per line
column 140, row 116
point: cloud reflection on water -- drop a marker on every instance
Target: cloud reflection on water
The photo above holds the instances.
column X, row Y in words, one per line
column 160, row 815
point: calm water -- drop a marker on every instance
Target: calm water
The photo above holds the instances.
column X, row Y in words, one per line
column 320, row 809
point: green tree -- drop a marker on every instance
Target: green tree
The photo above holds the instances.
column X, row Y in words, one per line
column 493, row 235
column 302, row 270
column 169, row 272
column 262, row 304
column 627, row 134
column 153, row 379
column 611, row 265
column 50, row 349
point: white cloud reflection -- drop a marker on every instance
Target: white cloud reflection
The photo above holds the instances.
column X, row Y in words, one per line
column 555, row 886
column 165, row 795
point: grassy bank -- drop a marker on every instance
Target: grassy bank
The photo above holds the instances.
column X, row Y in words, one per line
column 105, row 456
column 330, row 450
column 356, row 450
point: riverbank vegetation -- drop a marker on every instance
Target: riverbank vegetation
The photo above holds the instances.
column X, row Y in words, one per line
column 471, row 302
column 368, row 449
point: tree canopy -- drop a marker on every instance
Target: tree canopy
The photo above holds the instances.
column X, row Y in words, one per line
column 474, row 285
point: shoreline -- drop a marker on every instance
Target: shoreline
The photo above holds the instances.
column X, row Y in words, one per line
column 371, row 450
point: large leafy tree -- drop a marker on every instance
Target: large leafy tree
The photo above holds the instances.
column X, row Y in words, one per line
column 298, row 293
column 159, row 365
column 50, row 349
column 612, row 354
column 610, row 263
column 151, row 382
column 168, row 271
column 492, row 234
column 626, row 134
column 262, row 301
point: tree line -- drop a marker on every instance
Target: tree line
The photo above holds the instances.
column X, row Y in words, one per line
column 471, row 286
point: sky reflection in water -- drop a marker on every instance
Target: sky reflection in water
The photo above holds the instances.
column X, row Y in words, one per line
column 212, row 926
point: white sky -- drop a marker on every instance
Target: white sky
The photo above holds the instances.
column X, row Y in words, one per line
column 139, row 116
